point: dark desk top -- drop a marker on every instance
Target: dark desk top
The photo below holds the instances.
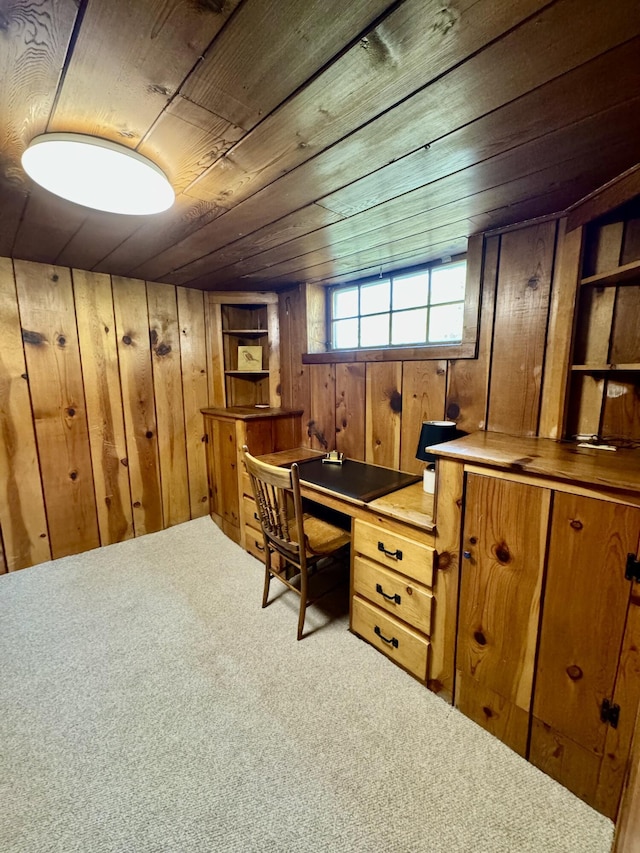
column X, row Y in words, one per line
column 354, row 479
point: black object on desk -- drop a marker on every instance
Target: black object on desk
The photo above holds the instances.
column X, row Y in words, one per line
column 354, row 479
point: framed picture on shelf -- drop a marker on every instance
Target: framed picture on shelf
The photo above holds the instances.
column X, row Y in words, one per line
column 249, row 358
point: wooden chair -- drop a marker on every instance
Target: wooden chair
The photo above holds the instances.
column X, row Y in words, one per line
column 302, row 540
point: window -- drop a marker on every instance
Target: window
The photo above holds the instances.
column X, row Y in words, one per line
column 418, row 308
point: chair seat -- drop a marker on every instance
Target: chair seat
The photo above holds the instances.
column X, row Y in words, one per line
column 323, row 537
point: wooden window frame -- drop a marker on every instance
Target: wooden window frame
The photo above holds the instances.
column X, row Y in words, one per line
column 466, row 348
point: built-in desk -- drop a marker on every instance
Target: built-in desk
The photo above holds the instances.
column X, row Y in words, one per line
column 395, row 580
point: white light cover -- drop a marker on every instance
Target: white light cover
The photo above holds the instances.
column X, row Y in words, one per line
column 97, row 173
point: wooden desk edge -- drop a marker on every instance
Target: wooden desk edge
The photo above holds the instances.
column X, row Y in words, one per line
column 409, row 504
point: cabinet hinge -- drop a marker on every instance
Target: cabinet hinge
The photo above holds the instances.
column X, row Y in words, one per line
column 610, row 713
column 632, row 571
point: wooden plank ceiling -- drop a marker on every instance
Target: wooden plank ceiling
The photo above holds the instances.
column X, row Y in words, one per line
column 314, row 140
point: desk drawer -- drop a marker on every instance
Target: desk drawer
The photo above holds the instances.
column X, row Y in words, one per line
column 401, row 643
column 393, row 593
column 246, row 484
column 397, row 552
column 253, row 542
column 250, row 514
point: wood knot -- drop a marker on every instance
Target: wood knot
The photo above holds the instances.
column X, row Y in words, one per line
column 71, row 412
column 163, row 349
column 503, row 555
column 443, row 560
column 395, row 401
column 453, row 411
column 35, row 338
column 124, row 461
column 574, row 672
column 148, row 434
column 533, row 282
column 74, row 475
column 576, row 524
column 62, row 341
column 487, row 712
column 480, row 638
column 126, row 340
column 55, row 277
column 137, row 504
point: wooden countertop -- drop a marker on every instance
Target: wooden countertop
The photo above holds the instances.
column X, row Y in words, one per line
column 561, row 461
column 247, row 413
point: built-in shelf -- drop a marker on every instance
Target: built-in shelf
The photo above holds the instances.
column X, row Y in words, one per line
column 620, row 275
column 604, row 368
column 246, row 333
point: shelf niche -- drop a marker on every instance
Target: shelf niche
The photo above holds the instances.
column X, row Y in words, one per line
column 238, row 322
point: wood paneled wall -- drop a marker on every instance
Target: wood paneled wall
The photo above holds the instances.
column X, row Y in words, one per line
column 374, row 410
column 101, row 384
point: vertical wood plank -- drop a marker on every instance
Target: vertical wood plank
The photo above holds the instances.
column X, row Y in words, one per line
column 383, row 411
column 522, row 309
column 193, row 357
column 350, row 401
column 45, row 298
column 132, row 327
column 468, row 379
column 424, row 385
column 215, row 353
column 167, row 385
column 557, row 360
column 99, row 355
column 275, row 399
column 22, row 514
column 448, row 516
column 295, row 385
column 321, row 426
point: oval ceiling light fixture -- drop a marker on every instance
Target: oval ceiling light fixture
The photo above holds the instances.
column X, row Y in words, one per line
column 97, row 173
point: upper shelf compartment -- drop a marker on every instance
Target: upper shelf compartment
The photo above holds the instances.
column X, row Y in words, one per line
column 627, row 274
column 245, row 354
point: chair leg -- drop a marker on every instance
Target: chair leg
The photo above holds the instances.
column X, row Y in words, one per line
column 267, row 577
column 303, row 603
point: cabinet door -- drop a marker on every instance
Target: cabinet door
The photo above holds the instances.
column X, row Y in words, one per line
column 223, row 467
column 586, row 627
column 505, row 531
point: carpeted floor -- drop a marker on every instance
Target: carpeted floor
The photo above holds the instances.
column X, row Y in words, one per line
column 148, row 704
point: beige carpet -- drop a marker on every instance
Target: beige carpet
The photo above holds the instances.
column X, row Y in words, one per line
column 148, row 704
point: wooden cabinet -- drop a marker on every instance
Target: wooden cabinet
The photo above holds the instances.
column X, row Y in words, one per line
column 243, row 329
column 392, row 596
column 548, row 639
column 226, row 431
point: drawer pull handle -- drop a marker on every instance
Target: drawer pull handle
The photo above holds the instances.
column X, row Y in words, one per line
column 395, row 598
column 392, row 642
column 396, row 555
column 258, row 546
column 256, row 516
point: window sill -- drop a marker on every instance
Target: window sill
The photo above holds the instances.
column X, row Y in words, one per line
column 430, row 353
